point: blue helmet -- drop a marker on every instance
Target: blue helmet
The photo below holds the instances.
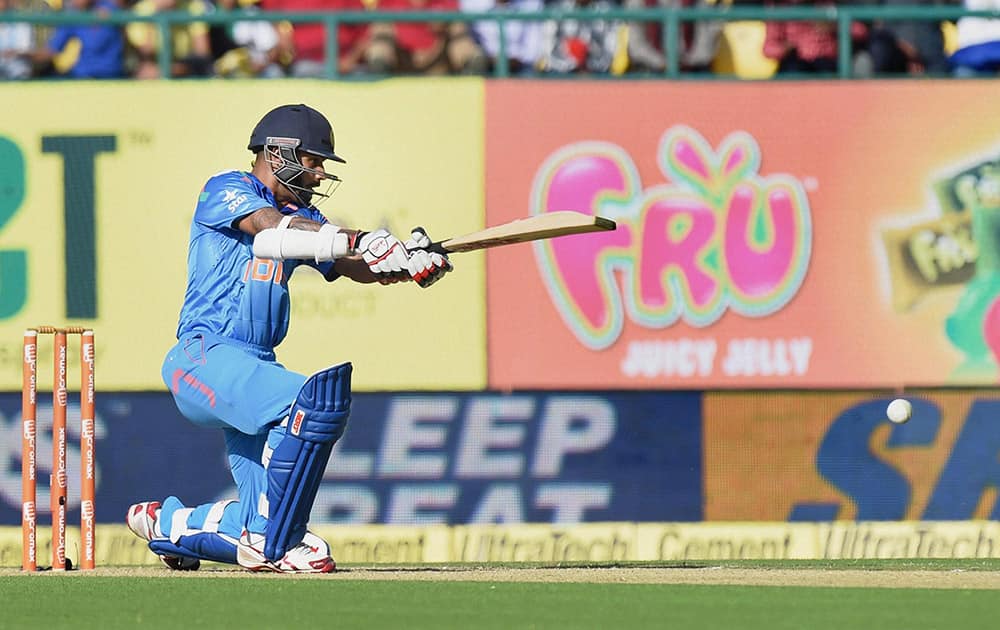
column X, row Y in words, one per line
column 301, row 123
column 285, row 131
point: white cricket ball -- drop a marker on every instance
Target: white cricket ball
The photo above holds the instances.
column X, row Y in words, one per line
column 899, row 411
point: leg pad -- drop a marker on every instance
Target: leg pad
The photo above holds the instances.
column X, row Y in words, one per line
column 316, row 421
column 202, row 545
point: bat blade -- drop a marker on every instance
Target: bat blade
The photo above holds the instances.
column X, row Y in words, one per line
column 550, row 225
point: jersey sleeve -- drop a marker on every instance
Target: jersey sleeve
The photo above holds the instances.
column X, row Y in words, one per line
column 226, row 198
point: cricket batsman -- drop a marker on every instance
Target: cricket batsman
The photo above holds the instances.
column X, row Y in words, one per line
column 250, row 231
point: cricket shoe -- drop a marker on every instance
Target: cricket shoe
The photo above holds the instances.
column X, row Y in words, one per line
column 312, row 555
column 144, row 521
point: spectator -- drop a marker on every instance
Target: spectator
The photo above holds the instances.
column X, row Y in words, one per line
column 910, row 47
column 701, row 39
column 100, row 48
column 16, row 46
column 306, row 42
column 522, row 38
column 190, row 45
column 248, row 48
column 585, row 46
column 978, row 49
column 424, row 47
column 802, row 46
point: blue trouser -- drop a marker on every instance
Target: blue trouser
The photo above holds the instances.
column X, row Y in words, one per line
column 241, row 389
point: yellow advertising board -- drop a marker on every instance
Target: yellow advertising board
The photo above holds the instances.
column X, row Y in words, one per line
column 593, row 542
column 98, row 183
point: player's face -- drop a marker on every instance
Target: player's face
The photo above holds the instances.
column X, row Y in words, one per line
column 308, row 179
column 311, row 176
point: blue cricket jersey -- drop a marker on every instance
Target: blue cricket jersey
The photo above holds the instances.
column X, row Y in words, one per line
column 229, row 292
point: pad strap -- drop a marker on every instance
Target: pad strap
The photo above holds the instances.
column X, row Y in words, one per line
column 179, row 521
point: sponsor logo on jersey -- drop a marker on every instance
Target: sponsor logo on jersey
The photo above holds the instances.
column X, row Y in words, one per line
column 234, row 198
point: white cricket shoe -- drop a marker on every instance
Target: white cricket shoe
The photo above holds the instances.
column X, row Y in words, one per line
column 312, row 555
column 144, row 521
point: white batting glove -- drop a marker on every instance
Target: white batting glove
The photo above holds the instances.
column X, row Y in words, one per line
column 425, row 267
column 385, row 255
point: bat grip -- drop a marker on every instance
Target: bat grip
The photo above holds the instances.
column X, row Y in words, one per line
column 434, row 248
column 438, row 248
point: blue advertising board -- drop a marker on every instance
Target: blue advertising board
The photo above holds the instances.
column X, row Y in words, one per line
column 835, row 456
column 422, row 458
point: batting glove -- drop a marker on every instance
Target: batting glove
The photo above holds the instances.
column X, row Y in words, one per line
column 425, row 267
column 385, row 255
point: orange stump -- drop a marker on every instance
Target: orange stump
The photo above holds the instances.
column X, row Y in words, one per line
column 58, row 479
column 29, row 412
column 58, row 484
column 87, row 464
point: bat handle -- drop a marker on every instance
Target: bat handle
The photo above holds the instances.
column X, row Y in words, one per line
column 435, row 248
column 438, row 248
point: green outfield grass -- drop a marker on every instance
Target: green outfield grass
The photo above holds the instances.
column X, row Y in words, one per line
column 107, row 603
column 78, row 600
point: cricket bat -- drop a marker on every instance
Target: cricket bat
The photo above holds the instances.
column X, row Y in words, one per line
column 549, row 225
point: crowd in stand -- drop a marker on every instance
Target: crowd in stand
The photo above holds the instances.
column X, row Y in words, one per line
column 254, row 46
